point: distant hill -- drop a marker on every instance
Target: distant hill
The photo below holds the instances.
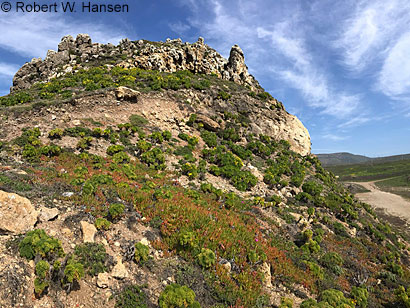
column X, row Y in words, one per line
column 337, row 159
column 344, row 158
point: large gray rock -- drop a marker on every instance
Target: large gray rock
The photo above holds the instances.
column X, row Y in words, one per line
column 17, row 214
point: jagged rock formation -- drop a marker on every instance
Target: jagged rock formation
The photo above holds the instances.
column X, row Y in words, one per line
column 171, row 56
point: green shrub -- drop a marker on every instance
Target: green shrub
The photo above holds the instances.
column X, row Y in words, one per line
column 230, row 134
column 114, row 149
column 84, row 143
column 223, row 95
column 312, row 188
column 141, row 253
column 191, row 120
column 176, row 296
column 156, row 137
column 50, row 150
column 41, row 281
column 190, row 170
column 307, row 235
column 335, row 298
column 395, row 268
column 15, row 99
column 102, row 224
column 138, row 120
column 264, row 95
column 131, row 297
column 332, row 261
column 92, row 256
column 73, row 271
column 154, row 159
column 188, row 240
column 206, row 258
column 167, row 135
column 340, row 229
column 210, row 138
column 315, row 269
column 286, row 302
column 56, row 133
column 360, row 295
column 37, row 242
column 115, row 210
column 403, row 296
column 311, row 303
column 311, row 246
column 244, row 180
column 121, row 158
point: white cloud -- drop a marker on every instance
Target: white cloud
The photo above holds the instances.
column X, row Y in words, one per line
column 8, row 70
column 394, row 78
column 334, row 137
column 356, row 121
column 33, row 34
column 179, row 27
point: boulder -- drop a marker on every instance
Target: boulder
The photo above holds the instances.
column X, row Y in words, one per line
column 67, row 43
column 266, row 274
column 208, row 122
column 89, row 231
column 47, row 214
column 17, row 214
column 103, row 280
column 124, row 93
column 119, row 271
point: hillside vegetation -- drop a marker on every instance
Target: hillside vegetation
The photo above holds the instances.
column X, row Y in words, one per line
column 392, row 176
column 189, row 212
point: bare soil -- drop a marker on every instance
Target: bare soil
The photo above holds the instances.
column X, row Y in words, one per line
column 390, row 203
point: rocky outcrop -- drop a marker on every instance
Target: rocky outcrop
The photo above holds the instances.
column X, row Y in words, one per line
column 171, row 56
column 266, row 115
column 17, row 214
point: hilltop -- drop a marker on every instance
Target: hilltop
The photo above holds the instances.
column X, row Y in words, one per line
column 161, row 174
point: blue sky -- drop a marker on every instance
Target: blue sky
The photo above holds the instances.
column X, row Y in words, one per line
column 343, row 67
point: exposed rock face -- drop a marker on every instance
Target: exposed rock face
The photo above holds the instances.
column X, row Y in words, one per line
column 17, row 214
column 166, row 57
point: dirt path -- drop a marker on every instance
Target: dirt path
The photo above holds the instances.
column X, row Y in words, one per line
column 392, row 204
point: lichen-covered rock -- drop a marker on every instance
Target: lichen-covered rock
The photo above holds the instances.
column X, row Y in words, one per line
column 17, row 214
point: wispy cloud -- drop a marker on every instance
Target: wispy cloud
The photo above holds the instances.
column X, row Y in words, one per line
column 305, row 74
column 334, row 137
column 33, row 34
column 8, row 70
column 179, row 27
column 356, row 121
column 370, row 30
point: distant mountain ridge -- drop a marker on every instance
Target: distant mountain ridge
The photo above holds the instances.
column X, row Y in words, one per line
column 345, row 158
